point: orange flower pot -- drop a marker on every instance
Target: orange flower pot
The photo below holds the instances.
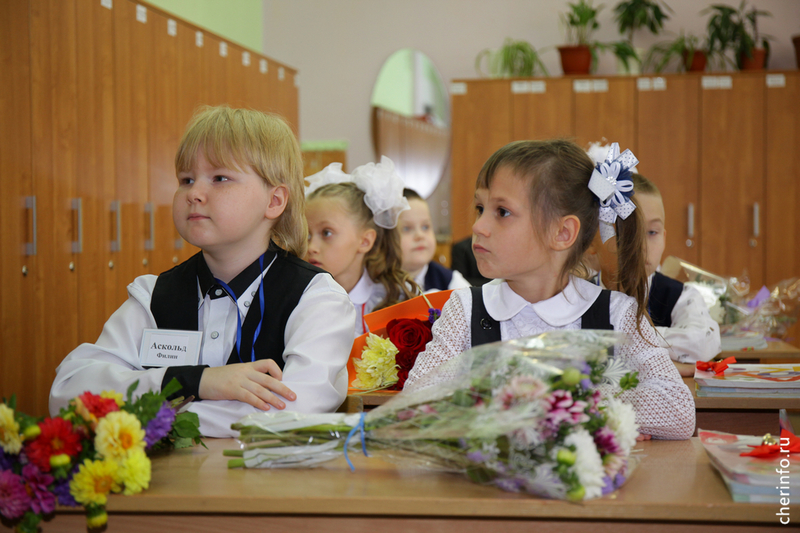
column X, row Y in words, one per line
column 754, row 63
column 698, row 63
column 575, row 59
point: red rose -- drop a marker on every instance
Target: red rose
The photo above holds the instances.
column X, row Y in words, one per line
column 406, row 359
column 409, row 334
column 402, row 376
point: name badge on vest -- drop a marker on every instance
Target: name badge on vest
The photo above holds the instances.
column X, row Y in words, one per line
column 170, row 347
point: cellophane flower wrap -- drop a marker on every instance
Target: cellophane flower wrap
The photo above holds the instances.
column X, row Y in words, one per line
column 97, row 445
column 523, row 415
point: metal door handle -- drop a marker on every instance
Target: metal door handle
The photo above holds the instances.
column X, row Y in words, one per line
column 30, row 203
column 116, row 208
column 690, row 231
column 756, row 217
column 77, row 205
column 149, row 244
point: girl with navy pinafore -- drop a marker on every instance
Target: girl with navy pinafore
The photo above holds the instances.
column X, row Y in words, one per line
column 352, row 224
column 245, row 324
column 538, row 206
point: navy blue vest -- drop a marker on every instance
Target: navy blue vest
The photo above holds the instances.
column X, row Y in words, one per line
column 437, row 277
column 664, row 294
column 174, row 306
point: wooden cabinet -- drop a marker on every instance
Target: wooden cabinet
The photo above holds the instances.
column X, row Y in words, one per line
column 721, row 148
column 88, row 134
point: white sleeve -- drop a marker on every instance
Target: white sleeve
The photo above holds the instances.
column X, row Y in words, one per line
column 112, row 362
column 458, row 281
column 451, row 336
column 662, row 401
column 694, row 335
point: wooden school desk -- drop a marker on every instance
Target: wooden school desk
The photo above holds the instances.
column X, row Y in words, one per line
column 674, row 487
column 775, row 352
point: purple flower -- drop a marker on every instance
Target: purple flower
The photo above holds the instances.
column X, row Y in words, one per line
column 563, row 409
column 619, row 480
column 476, row 456
column 61, row 491
column 586, row 383
column 606, row 442
column 6, row 461
column 608, row 486
column 159, row 427
column 433, row 314
column 584, row 367
column 42, row 500
column 14, row 499
column 509, row 484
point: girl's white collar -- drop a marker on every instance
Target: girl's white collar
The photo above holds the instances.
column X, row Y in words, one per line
column 361, row 293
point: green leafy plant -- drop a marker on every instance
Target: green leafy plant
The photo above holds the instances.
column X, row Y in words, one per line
column 624, row 51
column 735, row 29
column 633, row 15
column 580, row 22
column 513, row 59
column 683, row 48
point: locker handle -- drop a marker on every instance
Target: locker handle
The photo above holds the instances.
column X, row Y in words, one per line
column 690, row 232
column 77, row 205
column 30, row 203
column 116, row 245
column 756, row 221
column 149, row 244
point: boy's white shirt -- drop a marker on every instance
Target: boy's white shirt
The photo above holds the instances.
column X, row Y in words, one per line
column 694, row 335
column 663, row 403
column 315, row 355
column 457, row 282
column 365, row 296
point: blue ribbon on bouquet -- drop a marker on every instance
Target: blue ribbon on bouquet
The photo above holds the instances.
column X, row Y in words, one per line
column 612, row 184
column 357, row 427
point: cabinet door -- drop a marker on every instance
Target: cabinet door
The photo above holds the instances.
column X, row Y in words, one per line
column 782, row 172
column 54, row 132
column 132, row 74
column 100, row 292
column 481, row 112
column 668, row 127
column 542, row 109
column 17, row 352
column 215, row 65
column 605, row 111
column 164, row 130
column 732, row 170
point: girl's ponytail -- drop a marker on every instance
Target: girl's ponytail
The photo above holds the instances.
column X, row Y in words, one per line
column 631, row 258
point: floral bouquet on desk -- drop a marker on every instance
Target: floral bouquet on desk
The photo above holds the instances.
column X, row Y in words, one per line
column 95, row 446
column 524, row 415
column 382, row 358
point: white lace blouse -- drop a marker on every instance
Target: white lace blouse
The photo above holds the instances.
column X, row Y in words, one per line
column 663, row 403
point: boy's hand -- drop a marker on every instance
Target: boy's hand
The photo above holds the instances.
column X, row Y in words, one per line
column 258, row 384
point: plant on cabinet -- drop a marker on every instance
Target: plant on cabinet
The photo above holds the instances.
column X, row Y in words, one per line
column 580, row 55
column 634, row 15
column 513, row 59
column 737, row 30
column 688, row 50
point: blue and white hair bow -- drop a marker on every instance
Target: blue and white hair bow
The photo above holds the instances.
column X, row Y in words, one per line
column 612, row 184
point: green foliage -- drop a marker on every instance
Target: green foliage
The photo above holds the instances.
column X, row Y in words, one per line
column 632, row 15
column 513, row 59
column 662, row 54
column 735, row 29
column 186, row 431
column 580, row 22
column 624, row 51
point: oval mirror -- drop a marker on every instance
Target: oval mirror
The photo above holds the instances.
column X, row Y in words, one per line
column 411, row 119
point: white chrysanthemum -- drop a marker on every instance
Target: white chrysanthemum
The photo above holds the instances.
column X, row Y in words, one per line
column 588, row 464
column 622, row 421
column 544, row 482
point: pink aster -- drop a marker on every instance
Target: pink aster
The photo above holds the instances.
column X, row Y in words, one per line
column 562, row 408
column 606, row 442
column 36, row 483
column 14, row 499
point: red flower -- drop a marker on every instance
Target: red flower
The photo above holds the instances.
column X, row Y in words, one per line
column 402, row 376
column 97, row 405
column 57, row 437
column 409, row 334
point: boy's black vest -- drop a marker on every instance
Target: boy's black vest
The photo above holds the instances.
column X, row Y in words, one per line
column 664, row 294
column 437, row 277
column 174, row 305
column 485, row 329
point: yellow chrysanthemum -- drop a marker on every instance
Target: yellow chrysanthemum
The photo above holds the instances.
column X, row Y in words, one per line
column 83, row 412
column 10, row 438
column 94, row 480
column 114, row 395
column 377, row 367
column 118, row 434
column 134, row 472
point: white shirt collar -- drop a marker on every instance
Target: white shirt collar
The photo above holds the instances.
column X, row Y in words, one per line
column 361, row 293
column 420, row 278
column 564, row 308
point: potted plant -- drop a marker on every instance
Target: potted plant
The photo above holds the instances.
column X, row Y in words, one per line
column 687, row 49
column 634, row 15
column 737, row 30
column 513, row 59
column 580, row 22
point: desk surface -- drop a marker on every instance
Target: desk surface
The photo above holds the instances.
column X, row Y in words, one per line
column 775, row 352
column 673, row 482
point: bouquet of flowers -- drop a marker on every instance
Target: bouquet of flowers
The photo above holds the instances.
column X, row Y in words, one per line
column 95, row 446
column 522, row 415
column 383, row 357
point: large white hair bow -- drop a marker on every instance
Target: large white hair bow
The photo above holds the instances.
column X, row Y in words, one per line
column 380, row 183
column 612, row 184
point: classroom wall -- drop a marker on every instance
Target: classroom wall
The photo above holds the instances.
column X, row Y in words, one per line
column 339, row 47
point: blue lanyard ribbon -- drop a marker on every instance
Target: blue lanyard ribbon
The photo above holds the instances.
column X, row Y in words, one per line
column 239, row 315
column 357, row 427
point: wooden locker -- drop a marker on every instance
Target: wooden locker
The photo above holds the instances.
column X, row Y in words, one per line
column 542, row 109
column 668, row 148
column 214, row 71
column 163, row 125
column 283, row 98
column 481, row 124
column 54, row 131
column 605, row 111
column 18, row 352
column 732, row 175
column 100, row 291
column 236, row 79
column 782, row 176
